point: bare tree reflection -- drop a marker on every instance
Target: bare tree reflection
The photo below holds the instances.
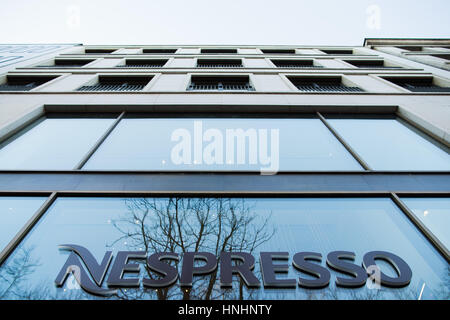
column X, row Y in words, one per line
column 444, row 288
column 17, row 271
column 186, row 224
column 15, row 276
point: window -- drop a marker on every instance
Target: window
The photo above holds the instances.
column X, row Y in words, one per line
column 118, row 83
column 159, row 51
column 219, row 63
column 219, row 51
column 99, row 51
column 24, row 83
column 220, row 83
column 67, row 63
column 14, row 213
column 52, row 144
column 286, row 144
column 337, row 51
column 418, row 84
column 322, row 84
column 434, row 214
column 144, row 63
column 372, row 64
column 288, row 225
column 278, row 51
column 410, row 48
column 294, row 64
column 388, row 144
column 146, row 144
column 442, row 56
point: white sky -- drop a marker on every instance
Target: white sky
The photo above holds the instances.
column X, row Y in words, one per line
column 332, row 22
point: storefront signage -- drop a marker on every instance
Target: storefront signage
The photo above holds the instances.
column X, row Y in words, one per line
column 90, row 274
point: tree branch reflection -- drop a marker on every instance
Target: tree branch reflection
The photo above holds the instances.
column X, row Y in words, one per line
column 187, row 224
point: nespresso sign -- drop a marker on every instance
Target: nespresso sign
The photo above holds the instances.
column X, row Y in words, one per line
column 90, row 274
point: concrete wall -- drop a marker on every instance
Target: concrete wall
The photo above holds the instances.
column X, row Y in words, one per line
column 431, row 112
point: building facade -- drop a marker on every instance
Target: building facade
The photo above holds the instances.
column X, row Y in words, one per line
column 18, row 55
column 227, row 172
column 430, row 52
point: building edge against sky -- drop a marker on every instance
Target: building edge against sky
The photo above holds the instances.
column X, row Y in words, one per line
column 363, row 130
column 170, row 82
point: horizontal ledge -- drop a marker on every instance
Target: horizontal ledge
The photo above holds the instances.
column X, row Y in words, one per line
column 203, row 92
column 122, row 69
column 83, row 181
column 226, row 172
column 231, row 194
column 222, row 108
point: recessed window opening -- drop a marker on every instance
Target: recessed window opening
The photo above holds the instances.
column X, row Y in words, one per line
column 24, row 83
column 418, row 84
column 278, row 51
column 99, row 51
column 411, row 48
column 322, row 84
column 118, row 83
column 220, row 83
column 337, row 51
column 219, row 51
column 374, row 64
column 161, row 51
column 295, row 64
column 144, row 63
column 442, row 56
column 219, row 63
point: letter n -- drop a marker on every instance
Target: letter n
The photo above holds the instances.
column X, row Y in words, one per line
column 74, row 266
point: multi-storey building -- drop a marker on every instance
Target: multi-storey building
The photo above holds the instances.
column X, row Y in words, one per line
column 20, row 55
column 434, row 53
column 252, row 149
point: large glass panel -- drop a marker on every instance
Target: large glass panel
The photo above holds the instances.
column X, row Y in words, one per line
column 434, row 213
column 213, row 225
column 14, row 213
column 387, row 144
column 210, row 144
column 53, row 144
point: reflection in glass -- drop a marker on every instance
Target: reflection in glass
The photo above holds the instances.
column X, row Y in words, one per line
column 145, row 144
column 53, row 144
column 434, row 213
column 387, row 144
column 214, row 225
column 14, row 213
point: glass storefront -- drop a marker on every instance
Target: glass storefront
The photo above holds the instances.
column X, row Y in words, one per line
column 434, row 213
column 14, row 213
column 252, row 225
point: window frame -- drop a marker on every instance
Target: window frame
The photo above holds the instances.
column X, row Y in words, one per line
column 122, row 111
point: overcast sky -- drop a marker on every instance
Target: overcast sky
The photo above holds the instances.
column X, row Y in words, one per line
column 332, row 22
